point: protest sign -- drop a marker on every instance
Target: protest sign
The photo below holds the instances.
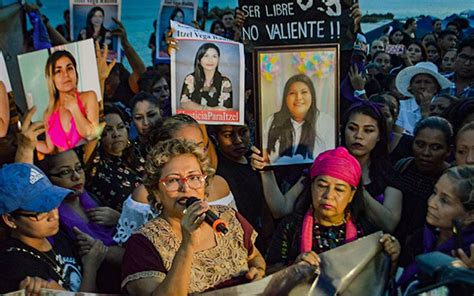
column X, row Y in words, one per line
column 63, row 84
column 282, row 73
column 276, row 22
column 8, row 116
column 207, row 76
column 93, row 19
column 182, row 11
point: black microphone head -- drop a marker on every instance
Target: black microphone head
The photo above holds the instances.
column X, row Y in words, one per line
column 191, row 200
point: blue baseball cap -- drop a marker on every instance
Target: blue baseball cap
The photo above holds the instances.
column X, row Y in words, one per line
column 24, row 186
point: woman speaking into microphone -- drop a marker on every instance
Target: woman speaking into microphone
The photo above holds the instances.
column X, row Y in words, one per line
column 176, row 253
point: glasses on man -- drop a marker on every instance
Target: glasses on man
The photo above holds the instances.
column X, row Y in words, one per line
column 174, row 183
column 35, row 216
column 68, row 173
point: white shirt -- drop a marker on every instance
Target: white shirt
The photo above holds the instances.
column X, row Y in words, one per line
column 325, row 139
column 410, row 114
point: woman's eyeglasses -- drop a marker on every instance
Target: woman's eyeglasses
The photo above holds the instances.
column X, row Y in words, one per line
column 67, row 173
column 193, row 181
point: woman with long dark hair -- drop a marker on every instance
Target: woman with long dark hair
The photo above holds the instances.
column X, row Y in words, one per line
column 293, row 131
column 95, row 28
column 206, row 87
column 364, row 134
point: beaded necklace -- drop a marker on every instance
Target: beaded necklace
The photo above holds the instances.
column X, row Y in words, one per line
column 325, row 238
column 52, row 263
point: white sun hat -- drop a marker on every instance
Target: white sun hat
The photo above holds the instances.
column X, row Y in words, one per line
column 406, row 75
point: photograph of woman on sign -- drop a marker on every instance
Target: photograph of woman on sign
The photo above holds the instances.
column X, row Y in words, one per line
column 294, row 131
column 177, row 15
column 71, row 117
column 206, row 88
column 95, row 28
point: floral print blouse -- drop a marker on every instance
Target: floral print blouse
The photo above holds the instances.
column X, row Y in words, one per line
column 209, row 95
column 112, row 179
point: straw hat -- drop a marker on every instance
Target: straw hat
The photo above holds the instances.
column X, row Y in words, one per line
column 406, row 75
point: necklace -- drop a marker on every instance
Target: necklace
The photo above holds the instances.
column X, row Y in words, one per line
column 52, row 263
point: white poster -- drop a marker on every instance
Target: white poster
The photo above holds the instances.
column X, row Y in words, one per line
column 207, row 76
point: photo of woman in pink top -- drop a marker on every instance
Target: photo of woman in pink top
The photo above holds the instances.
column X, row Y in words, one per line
column 72, row 117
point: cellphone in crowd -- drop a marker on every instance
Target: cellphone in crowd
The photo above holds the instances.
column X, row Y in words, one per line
column 395, row 49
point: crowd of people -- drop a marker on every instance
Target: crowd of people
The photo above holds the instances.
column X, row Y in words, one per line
column 114, row 215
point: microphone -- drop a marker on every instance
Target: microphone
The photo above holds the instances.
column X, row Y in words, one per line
column 211, row 218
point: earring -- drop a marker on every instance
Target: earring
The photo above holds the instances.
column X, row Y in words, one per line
column 158, row 208
column 13, row 226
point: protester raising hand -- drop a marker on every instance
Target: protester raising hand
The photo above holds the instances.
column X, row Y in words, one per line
column 356, row 14
column 238, row 24
column 27, row 137
column 103, row 67
column 357, row 80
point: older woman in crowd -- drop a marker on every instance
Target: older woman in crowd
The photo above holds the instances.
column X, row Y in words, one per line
column 420, row 82
column 176, row 253
column 136, row 210
column 115, row 168
column 452, row 200
column 464, row 145
column 334, row 217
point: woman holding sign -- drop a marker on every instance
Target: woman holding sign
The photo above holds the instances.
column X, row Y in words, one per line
column 294, row 133
column 206, row 88
column 72, row 117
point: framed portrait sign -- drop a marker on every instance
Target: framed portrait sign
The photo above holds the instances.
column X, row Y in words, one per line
column 297, row 91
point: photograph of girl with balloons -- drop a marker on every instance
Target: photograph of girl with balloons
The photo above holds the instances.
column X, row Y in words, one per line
column 299, row 119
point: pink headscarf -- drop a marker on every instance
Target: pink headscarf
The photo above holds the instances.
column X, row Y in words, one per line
column 337, row 163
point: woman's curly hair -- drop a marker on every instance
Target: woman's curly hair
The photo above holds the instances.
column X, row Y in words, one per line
column 163, row 152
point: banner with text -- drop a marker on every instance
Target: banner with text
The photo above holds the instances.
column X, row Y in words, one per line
column 207, row 76
column 276, row 22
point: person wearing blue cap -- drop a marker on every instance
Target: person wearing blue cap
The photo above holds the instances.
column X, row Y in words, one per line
column 35, row 254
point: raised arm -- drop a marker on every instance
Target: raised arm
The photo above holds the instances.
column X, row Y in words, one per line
column 280, row 204
column 138, row 67
column 386, row 215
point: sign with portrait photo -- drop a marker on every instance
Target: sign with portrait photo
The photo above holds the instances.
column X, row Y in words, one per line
column 63, row 83
column 182, row 11
column 93, row 19
column 207, row 76
column 277, row 22
column 298, row 96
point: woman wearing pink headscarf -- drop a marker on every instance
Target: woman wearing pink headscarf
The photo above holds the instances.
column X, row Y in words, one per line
column 335, row 215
